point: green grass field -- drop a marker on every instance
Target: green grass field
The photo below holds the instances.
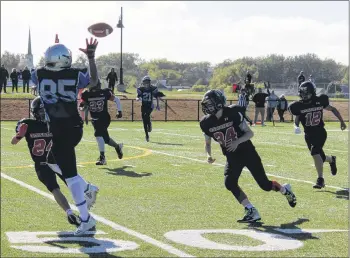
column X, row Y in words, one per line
column 156, row 200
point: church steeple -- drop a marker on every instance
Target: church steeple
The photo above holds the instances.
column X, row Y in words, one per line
column 29, row 44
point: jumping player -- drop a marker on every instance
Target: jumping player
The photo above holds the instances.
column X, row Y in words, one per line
column 39, row 142
column 58, row 84
column 146, row 93
column 309, row 111
column 95, row 100
column 227, row 126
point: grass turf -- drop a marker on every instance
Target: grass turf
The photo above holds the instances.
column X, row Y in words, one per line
column 165, row 185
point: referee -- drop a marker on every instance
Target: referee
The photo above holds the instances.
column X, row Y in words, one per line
column 243, row 99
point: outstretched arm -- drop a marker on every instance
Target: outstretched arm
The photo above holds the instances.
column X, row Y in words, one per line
column 90, row 52
column 338, row 115
column 22, row 130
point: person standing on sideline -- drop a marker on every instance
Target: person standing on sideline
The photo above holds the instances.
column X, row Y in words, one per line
column 272, row 102
column 259, row 99
column 301, row 78
column 4, row 75
column 26, row 77
column 14, row 79
column 282, row 107
column 112, row 78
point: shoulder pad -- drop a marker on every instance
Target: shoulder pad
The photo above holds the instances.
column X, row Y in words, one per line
column 324, row 100
column 23, row 121
column 294, row 107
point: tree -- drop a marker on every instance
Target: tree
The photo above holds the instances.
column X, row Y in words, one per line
column 81, row 62
column 41, row 62
column 10, row 60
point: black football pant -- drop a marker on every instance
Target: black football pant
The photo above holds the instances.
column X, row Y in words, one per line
column 146, row 118
column 101, row 127
column 14, row 85
column 63, row 149
column 48, row 177
column 245, row 156
column 315, row 142
column 25, row 82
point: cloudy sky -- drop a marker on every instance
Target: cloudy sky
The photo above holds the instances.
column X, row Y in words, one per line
column 183, row 31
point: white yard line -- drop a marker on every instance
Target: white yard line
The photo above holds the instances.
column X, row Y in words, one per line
column 170, row 249
column 222, row 165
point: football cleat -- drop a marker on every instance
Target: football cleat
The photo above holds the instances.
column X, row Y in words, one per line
column 319, row 183
column 251, row 215
column 119, row 150
column 101, row 161
column 85, row 226
column 333, row 165
column 73, row 220
column 90, row 195
column 292, row 200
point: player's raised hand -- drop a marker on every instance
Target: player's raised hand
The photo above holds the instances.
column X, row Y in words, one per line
column 342, row 126
column 90, row 48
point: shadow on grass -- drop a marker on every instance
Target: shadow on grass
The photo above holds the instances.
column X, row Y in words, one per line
column 340, row 194
column 170, row 144
column 293, row 226
column 123, row 172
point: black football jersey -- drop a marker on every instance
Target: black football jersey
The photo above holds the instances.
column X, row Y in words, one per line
column 59, row 92
column 97, row 102
column 227, row 128
column 147, row 94
column 38, row 138
column 310, row 114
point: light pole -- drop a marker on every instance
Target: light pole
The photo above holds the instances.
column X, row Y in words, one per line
column 121, row 26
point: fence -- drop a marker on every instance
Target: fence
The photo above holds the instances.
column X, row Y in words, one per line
column 171, row 110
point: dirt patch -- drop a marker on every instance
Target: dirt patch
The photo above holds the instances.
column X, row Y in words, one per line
column 176, row 110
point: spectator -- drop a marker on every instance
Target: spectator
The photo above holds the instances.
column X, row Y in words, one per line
column 26, row 77
column 112, row 78
column 301, row 78
column 259, row 99
column 243, row 99
column 248, row 78
column 33, row 89
column 282, row 107
column 3, row 79
column 272, row 102
column 14, row 79
column 311, row 79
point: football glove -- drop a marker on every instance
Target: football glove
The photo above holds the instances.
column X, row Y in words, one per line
column 90, row 48
column 120, row 115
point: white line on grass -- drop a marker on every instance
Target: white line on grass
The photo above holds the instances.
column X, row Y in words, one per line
column 115, row 226
column 222, row 165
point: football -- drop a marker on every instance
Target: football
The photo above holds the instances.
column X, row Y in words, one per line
column 100, row 30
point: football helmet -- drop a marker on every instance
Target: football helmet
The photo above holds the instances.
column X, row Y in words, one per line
column 213, row 101
column 58, row 57
column 307, row 90
column 146, row 81
column 37, row 109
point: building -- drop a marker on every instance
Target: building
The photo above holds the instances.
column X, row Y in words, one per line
column 28, row 59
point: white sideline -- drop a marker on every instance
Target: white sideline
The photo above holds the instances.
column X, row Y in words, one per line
column 222, row 165
column 115, row 226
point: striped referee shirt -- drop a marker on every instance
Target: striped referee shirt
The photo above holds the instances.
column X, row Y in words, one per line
column 242, row 100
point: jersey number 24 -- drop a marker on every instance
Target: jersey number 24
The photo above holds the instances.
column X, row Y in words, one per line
column 230, row 135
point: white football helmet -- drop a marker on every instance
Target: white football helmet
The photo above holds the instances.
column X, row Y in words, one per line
column 58, row 57
column 146, row 81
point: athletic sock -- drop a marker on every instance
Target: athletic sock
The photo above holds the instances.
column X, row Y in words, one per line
column 112, row 143
column 77, row 191
column 100, row 143
column 69, row 212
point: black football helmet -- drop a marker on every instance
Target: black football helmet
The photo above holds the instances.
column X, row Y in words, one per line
column 213, row 101
column 307, row 90
column 146, row 81
column 37, row 109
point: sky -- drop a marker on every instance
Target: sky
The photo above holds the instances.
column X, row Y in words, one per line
column 183, row 31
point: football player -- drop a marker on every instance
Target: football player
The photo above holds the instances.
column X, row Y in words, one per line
column 309, row 111
column 39, row 142
column 145, row 93
column 58, row 84
column 227, row 126
column 95, row 100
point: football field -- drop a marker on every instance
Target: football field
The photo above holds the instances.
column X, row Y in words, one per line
column 164, row 200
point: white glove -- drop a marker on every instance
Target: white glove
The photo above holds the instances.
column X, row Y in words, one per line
column 297, row 130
